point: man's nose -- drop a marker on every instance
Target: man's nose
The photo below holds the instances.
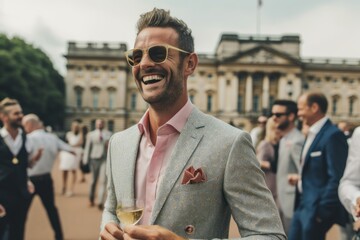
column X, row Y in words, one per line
column 146, row 61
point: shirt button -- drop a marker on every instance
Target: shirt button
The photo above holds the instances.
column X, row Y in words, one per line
column 189, row 229
column 152, row 179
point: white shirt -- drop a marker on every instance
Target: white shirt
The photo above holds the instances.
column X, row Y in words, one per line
column 313, row 131
column 349, row 188
column 15, row 145
column 51, row 145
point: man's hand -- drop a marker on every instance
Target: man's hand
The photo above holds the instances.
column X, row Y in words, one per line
column 30, row 187
column 153, row 232
column 356, row 225
column 357, row 207
column 293, row 179
column 2, row 211
column 265, row 165
column 36, row 157
column 111, row 231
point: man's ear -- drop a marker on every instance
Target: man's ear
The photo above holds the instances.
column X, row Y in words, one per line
column 292, row 117
column 315, row 107
column 191, row 62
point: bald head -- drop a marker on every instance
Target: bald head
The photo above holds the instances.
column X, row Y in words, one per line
column 31, row 122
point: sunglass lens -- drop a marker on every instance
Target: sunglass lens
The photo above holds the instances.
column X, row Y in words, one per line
column 158, row 53
column 135, row 57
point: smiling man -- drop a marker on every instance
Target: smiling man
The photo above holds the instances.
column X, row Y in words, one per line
column 14, row 161
column 191, row 170
column 284, row 113
column 323, row 160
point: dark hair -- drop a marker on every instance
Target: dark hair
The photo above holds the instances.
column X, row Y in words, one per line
column 290, row 105
column 318, row 98
column 161, row 18
column 6, row 102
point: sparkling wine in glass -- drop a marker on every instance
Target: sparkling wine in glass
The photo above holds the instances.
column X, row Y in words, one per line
column 129, row 211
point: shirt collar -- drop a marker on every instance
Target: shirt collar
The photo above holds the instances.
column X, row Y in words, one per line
column 316, row 127
column 4, row 133
column 178, row 121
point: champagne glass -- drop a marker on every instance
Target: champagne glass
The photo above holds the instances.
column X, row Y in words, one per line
column 129, row 211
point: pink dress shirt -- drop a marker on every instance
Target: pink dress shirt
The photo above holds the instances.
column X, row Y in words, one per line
column 152, row 160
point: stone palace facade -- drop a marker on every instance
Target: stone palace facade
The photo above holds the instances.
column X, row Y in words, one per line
column 237, row 83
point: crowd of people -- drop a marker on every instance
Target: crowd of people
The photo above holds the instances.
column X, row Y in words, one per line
column 304, row 167
column 28, row 153
column 191, row 170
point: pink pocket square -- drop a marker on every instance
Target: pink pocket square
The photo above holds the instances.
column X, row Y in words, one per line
column 193, row 176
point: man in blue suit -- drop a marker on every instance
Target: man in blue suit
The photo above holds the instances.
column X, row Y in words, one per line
column 323, row 160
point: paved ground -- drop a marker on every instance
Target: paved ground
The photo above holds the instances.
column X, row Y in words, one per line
column 78, row 220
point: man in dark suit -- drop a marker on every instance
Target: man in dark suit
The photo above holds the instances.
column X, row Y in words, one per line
column 323, row 160
column 14, row 160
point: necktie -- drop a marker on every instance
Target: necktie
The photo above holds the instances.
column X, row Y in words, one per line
column 101, row 137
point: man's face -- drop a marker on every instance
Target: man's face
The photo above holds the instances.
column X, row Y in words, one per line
column 163, row 84
column 13, row 116
column 280, row 117
column 99, row 124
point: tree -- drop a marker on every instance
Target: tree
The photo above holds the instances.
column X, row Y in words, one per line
column 28, row 75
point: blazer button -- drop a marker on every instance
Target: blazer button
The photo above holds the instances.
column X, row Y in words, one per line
column 189, row 229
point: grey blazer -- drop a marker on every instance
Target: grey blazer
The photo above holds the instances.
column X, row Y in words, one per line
column 94, row 147
column 288, row 162
column 235, row 184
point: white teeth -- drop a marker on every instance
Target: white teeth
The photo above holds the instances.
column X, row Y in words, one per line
column 152, row 77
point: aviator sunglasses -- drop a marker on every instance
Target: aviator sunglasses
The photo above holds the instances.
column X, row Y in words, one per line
column 279, row 114
column 158, row 54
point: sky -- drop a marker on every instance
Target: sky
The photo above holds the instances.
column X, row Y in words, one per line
column 327, row 28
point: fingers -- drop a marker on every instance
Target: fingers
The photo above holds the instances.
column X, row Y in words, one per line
column 293, row 179
column 152, row 232
column 111, row 231
column 140, row 232
column 2, row 211
column 357, row 207
column 356, row 225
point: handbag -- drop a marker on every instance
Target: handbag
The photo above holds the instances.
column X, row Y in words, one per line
column 85, row 168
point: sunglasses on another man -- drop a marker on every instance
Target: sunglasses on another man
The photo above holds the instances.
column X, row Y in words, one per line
column 279, row 114
column 157, row 53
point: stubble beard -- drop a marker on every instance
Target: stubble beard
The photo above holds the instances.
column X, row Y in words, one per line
column 172, row 91
column 16, row 123
column 284, row 125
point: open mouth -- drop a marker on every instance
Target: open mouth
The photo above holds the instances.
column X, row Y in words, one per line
column 152, row 79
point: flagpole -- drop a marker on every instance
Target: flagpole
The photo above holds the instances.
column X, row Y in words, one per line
column 258, row 19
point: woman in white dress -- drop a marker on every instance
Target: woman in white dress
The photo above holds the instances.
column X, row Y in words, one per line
column 69, row 162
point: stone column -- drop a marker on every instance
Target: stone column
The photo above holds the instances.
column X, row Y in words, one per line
column 222, row 92
column 265, row 92
column 249, row 93
column 235, row 92
column 282, row 94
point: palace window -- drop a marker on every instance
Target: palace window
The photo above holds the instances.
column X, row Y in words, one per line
column 95, row 97
column 192, row 98
column 112, row 98
column 352, row 101
column 335, row 101
column 110, row 125
column 78, row 96
column 209, row 103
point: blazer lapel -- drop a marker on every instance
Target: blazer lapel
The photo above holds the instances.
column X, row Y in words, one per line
column 188, row 140
column 124, row 170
